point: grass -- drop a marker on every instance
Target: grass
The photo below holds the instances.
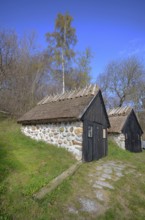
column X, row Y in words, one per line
column 126, row 201
column 27, row 165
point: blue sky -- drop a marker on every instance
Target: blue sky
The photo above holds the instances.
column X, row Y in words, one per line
column 113, row 29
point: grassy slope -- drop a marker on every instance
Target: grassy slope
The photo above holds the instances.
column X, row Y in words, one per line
column 25, row 166
column 126, row 201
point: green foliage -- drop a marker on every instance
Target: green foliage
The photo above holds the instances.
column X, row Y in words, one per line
column 66, row 65
column 64, row 33
column 81, row 74
column 60, row 45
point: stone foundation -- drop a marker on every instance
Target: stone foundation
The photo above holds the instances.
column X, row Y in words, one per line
column 67, row 135
column 119, row 139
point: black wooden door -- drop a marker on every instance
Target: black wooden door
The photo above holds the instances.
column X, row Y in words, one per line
column 136, row 143
column 132, row 142
column 98, row 142
column 93, row 142
column 128, row 141
column 89, row 134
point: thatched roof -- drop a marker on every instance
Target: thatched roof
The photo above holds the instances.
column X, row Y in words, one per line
column 117, row 118
column 61, row 107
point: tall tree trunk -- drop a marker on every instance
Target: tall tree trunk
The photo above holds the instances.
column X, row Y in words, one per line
column 63, row 70
column 63, row 61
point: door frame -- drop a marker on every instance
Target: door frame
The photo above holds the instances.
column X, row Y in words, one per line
column 91, row 145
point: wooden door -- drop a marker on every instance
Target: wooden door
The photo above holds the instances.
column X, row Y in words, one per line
column 128, row 141
column 93, row 141
column 98, row 151
column 136, row 143
column 90, row 135
column 132, row 142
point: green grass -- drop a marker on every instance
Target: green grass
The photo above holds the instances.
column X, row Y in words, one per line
column 126, row 201
column 128, row 198
column 115, row 153
column 25, row 166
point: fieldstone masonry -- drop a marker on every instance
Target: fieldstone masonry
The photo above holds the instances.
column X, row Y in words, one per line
column 67, row 135
column 119, row 139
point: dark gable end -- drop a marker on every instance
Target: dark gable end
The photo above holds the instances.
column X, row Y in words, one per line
column 96, row 111
column 127, row 130
column 132, row 118
column 95, row 124
column 105, row 112
column 132, row 132
column 120, row 118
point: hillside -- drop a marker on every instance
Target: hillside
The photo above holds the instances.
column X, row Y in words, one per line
column 111, row 188
column 25, row 166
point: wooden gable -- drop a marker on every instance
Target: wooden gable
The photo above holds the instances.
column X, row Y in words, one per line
column 96, row 112
column 132, row 124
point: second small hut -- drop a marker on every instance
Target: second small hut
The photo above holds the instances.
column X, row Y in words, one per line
column 125, row 129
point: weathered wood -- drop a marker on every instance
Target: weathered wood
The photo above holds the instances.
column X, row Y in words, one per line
column 90, row 89
column 118, row 111
column 132, row 134
column 96, row 147
column 123, row 120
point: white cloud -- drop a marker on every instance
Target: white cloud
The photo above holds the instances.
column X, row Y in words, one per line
column 136, row 47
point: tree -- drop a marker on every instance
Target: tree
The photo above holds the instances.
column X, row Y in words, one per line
column 22, row 73
column 80, row 73
column 8, row 56
column 123, row 82
column 25, row 76
column 60, row 45
column 84, row 66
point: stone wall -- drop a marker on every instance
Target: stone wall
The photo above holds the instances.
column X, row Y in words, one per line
column 67, row 135
column 119, row 139
column 143, row 144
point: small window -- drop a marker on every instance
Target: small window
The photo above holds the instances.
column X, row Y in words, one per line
column 104, row 133
column 126, row 135
column 90, row 131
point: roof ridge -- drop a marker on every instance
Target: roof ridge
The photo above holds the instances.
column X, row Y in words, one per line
column 119, row 111
column 91, row 89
